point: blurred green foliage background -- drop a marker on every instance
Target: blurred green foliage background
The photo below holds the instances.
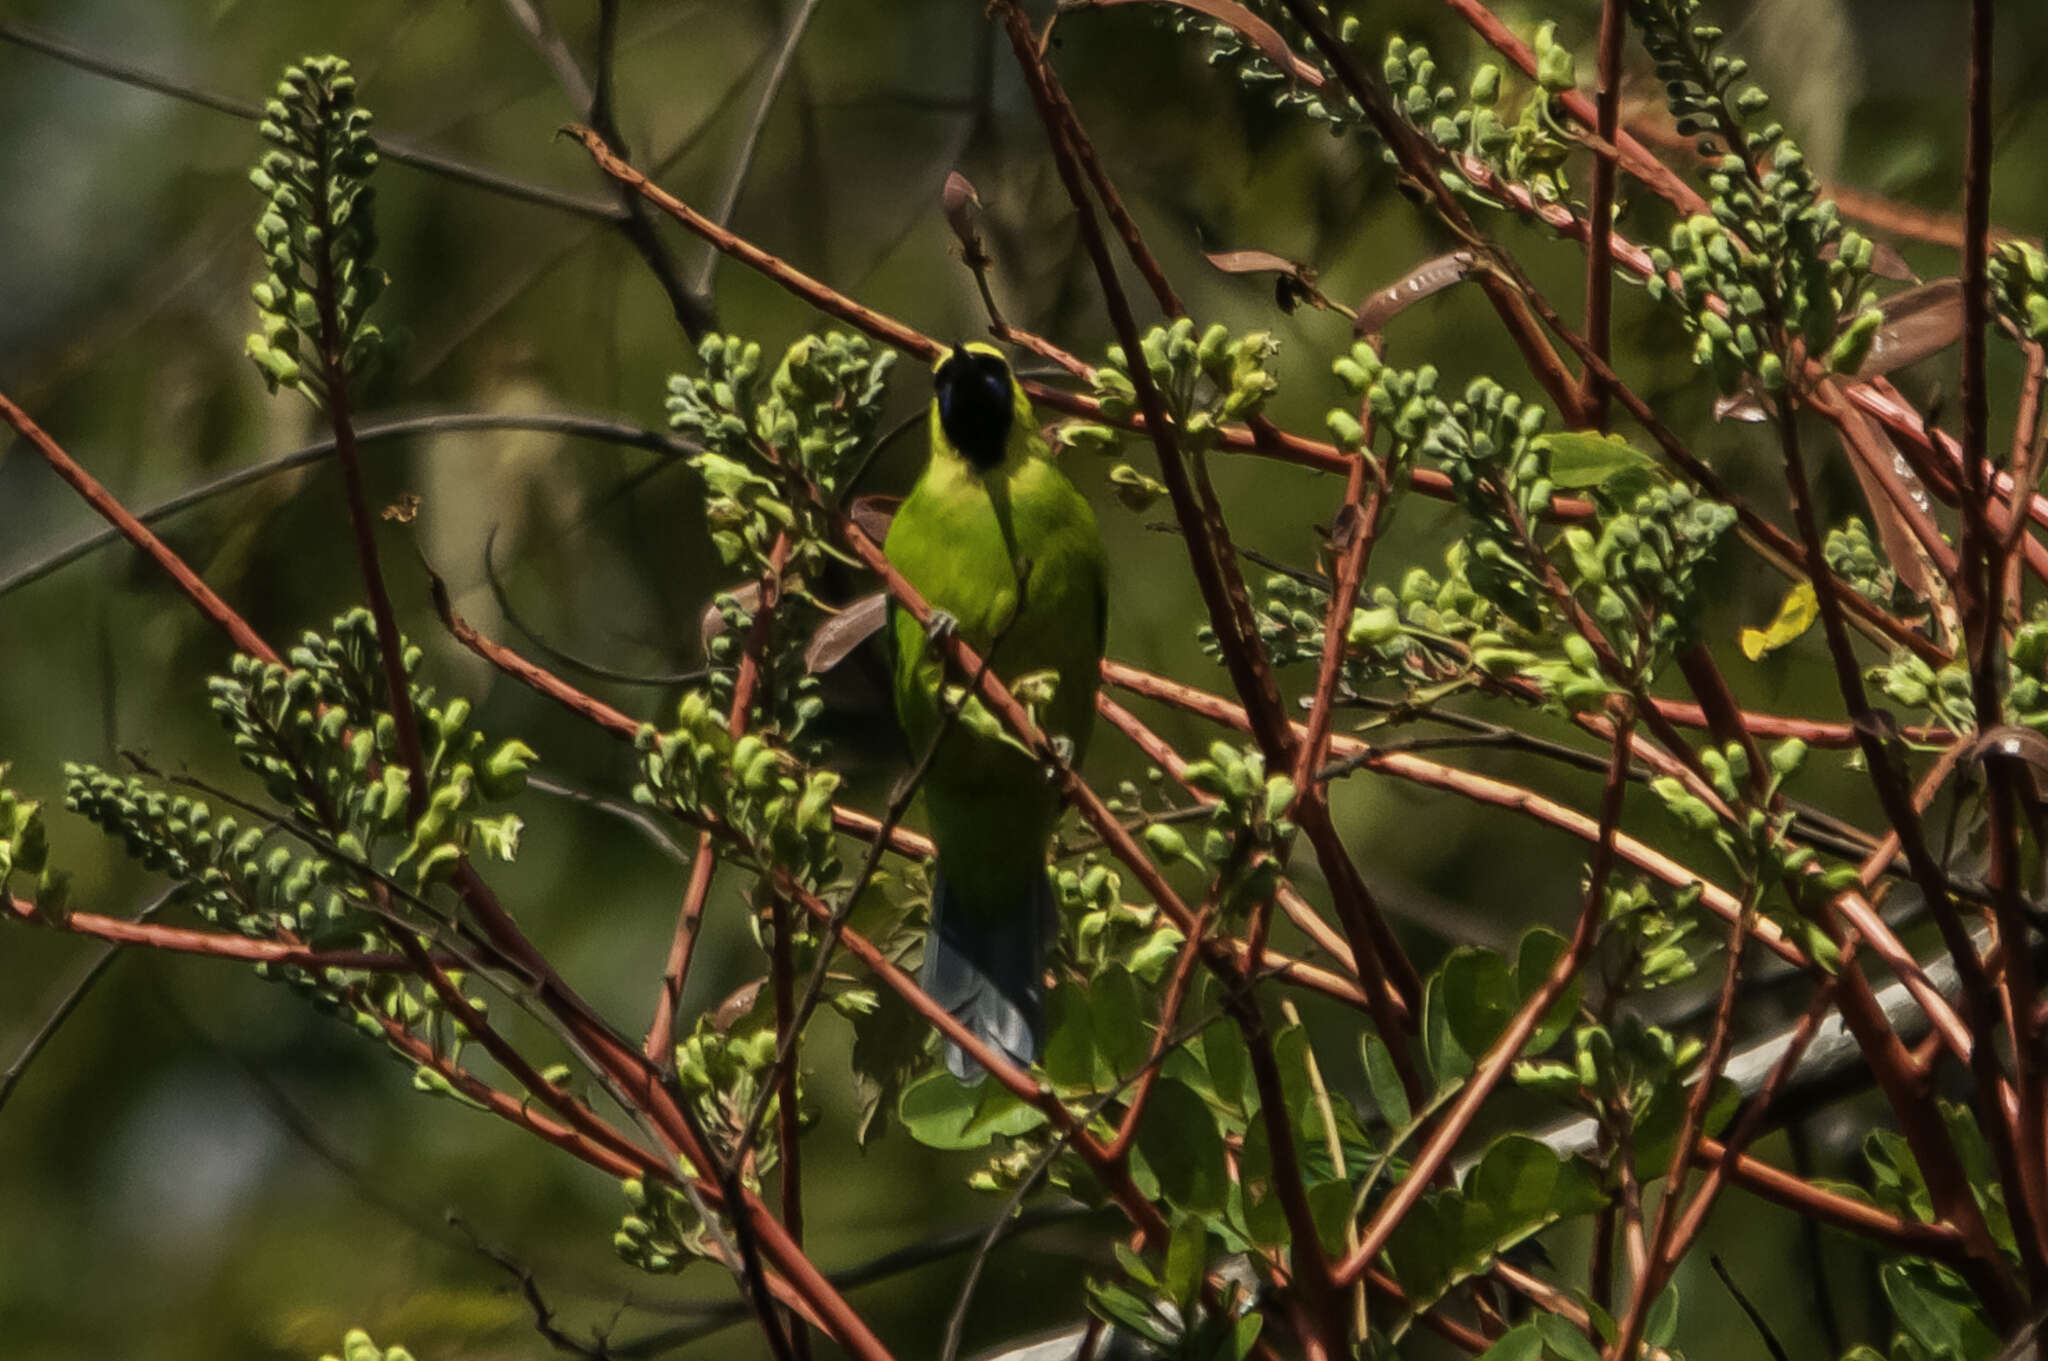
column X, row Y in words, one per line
column 200, row 1166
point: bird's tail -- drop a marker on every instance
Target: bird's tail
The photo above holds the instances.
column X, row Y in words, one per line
column 984, row 963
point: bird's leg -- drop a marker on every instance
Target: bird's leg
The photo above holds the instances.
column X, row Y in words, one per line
column 940, row 627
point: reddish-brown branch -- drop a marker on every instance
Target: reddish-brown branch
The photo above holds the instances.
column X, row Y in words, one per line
column 1694, row 1217
column 1600, row 212
column 1115, row 1176
column 1501, row 281
column 1169, row 1016
column 1112, row 202
column 210, row 944
column 1939, row 1241
column 1931, row 1143
column 1161, row 753
column 1501, row 1055
column 2022, row 1147
column 661, row 1034
column 782, row 973
column 333, row 343
column 603, row 1155
column 114, row 513
column 526, row 673
column 1633, row 155
column 1215, row 565
column 1479, row 788
column 1660, row 1262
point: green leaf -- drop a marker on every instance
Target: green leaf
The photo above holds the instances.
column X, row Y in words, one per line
column 1657, row 1125
column 1540, row 950
column 1380, row 1075
column 1519, row 1188
column 1479, row 997
column 1229, row 1064
column 1178, row 1136
column 1440, row 1049
column 1583, row 459
column 1002, row 1111
column 1662, row 1323
column 1522, row 1343
column 1522, row 1184
column 1937, row 1310
column 1122, row 1036
column 888, row 1042
column 1329, row 1205
column 1187, row 1257
column 1565, row 1340
column 1252, row 1202
column 940, row 1111
column 1069, row 1057
column 1895, row 1175
column 1119, row 1306
column 1796, row 614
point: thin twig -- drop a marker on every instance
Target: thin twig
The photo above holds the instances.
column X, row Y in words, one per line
column 68, row 1001
column 743, row 159
column 390, row 148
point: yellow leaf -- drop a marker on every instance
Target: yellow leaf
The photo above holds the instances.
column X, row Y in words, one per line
column 1795, row 616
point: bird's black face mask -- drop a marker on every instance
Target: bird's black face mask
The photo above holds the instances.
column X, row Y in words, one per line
column 973, row 392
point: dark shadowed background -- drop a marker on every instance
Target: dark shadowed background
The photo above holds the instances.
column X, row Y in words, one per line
column 200, row 1165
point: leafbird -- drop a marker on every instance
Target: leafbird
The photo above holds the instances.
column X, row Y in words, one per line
column 1006, row 551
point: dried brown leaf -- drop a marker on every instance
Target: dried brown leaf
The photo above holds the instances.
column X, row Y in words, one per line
column 1248, row 26
column 1918, row 322
column 1253, row 262
column 1429, row 277
column 836, row 638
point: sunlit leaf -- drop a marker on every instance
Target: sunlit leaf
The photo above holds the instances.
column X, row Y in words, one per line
column 1795, row 616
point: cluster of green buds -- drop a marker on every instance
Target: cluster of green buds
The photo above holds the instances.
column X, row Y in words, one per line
column 1486, row 441
column 1772, row 264
column 236, row 877
column 1420, row 634
column 662, row 1232
column 788, row 695
column 1228, row 49
column 1630, row 1076
column 381, row 1004
column 317, row 232
column 1642, row 569
column 722, row 1073
column 1661, row 935
column 1531, row 151
column 773, row 805
column 318, row 730
column 1204, row 382
column 357, row 1346
column 2019, row 288
column 1856, row 558
column 25, row 850
column 1944, row 694
column 1754, row 835
column 1247, row 830
column 1099, row 930
column 762, row 453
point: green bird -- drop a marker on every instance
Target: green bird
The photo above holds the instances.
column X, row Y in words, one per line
column 1006, row 551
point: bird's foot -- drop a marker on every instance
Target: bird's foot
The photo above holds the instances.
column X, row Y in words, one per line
column 1063, row 749
column 941, row 626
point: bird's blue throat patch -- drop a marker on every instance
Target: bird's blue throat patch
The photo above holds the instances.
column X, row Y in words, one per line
column 975, row 409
